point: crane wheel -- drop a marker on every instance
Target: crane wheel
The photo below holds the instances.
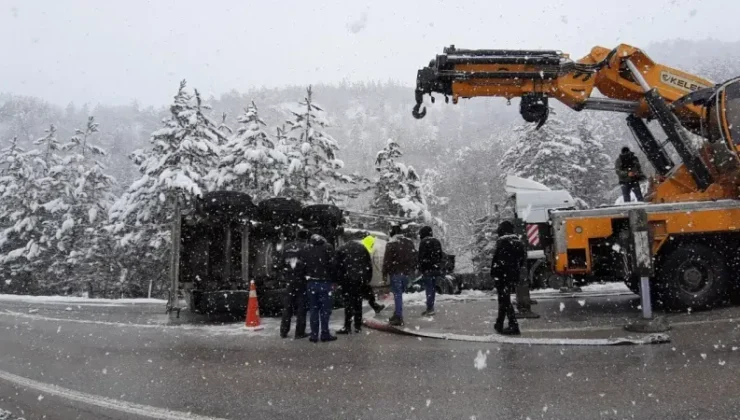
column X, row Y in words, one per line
column 694, row 276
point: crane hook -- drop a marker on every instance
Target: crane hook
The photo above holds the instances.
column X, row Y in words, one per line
column 419, row 96
column 419, row 115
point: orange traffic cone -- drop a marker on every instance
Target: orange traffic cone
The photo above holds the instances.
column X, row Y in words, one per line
column 253, row 309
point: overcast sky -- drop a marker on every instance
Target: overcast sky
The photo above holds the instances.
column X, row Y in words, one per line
column 114, row 51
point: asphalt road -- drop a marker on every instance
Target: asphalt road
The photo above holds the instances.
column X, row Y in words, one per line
column 58, row 360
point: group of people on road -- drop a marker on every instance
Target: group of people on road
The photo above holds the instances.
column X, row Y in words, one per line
column 401, row 260
column 311, row 267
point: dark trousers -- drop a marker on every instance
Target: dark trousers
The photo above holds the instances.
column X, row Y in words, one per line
column 369, row 294
column 319, row 296
column 294, row 302
column 352, row 307
column 505, row 307
column 430, row 287
column 398, row 285
column 628, row 187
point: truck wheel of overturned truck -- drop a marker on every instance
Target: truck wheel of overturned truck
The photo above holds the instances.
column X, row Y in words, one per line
column 540, row 274
column 633, row 283
column 694, row 276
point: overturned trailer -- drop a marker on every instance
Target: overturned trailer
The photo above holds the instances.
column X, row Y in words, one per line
column 226, row 241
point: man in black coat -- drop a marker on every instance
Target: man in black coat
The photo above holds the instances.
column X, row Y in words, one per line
column 630, row 174
column 509, row 256
column 294, row 301
column 431, row 261
column 354, row 270
column 318, row 260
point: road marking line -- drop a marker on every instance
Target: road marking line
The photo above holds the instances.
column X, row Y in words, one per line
column 235, row 329
column 103, row 402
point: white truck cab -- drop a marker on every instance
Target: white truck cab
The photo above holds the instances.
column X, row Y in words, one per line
column 531, row 203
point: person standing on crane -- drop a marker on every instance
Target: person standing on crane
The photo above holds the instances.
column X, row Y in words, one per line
column 630, row 174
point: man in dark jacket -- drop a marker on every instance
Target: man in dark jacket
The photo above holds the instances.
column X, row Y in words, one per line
column 318, row 260
column 399, row 262
column 354, row 270
column 295, row 297
column 509, row 256
column 431, row 262
column 630, row 174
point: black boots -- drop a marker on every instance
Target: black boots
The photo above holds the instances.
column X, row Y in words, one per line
column 510, row 330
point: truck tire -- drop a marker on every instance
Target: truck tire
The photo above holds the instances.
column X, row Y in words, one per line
column 541, row 276
column 322, row 214
column 694, row 276
column 633, row 283
column 279, row 211
column 229, row 204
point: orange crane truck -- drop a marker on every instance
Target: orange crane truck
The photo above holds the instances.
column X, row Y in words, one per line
column 692, row 206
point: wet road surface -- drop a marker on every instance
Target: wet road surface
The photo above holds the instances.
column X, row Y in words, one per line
column 126, row 355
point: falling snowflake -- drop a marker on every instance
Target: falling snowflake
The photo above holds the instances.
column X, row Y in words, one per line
column 703, row 356
column 562, row 306
column 429, row 402
column 581, row 302
column 480, row 361
column 722, row 362
column 41, row 397
column 570, row 374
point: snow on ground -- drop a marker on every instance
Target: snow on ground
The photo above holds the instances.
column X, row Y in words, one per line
column 591, row 288
column 270, row 326
column 7, row 415
column 420, row 298
column 76, row 300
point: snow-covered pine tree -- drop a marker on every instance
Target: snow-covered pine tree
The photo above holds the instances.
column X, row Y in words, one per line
column 483, row 244
column 556, row 155
column 173, row 172
column 49, row 145
column 398, row 189
column 224, row 128
column 22, row 216
column 598, row 178
column 315, row 175
column 250, row 160
column 87, row 200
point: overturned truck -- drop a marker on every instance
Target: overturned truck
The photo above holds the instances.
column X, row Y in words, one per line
column 226, row 241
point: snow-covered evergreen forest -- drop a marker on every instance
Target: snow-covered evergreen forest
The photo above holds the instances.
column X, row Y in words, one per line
column 87, row 190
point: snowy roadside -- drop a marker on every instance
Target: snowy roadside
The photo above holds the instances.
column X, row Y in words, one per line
column 77, row 300
column 591, row 288
column 419, row 298
column 7, row 415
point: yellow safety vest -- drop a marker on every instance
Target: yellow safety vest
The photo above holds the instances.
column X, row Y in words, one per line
column 369, row 242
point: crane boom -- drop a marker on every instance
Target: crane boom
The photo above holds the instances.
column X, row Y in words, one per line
column 628, row 81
